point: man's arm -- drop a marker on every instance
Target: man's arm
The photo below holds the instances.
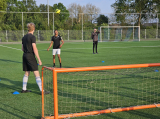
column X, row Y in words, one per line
column 35, row 50
column 50, row 45
column 61, row 43
column 98, row 31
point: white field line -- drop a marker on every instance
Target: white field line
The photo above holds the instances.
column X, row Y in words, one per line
column 103, row 48
column 111, row 47
column 10, row 47
column 87, row 48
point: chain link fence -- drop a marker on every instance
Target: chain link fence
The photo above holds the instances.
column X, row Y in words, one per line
column 69, row 35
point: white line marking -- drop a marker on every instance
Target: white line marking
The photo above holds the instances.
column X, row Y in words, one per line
column 103, row 48
column 10, row 47
column 89, row 48
column 112, row 47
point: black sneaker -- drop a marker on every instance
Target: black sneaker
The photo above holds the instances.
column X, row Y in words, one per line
column 96, row 52
column 45, row 92
column 93, row 53
column 25, row 91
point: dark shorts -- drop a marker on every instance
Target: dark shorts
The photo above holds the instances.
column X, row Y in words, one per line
column 29, row 62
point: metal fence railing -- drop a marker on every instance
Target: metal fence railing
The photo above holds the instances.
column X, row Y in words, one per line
column 45, row 35
column 68, row 35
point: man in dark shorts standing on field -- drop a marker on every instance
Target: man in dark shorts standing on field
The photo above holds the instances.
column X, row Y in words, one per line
column 56, row 47
column 95, row 39
column 29, row 61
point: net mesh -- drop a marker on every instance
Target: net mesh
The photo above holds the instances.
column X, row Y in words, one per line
column 119, row 33
column 99, row 90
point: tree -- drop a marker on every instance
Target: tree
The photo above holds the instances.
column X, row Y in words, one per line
column 76, row 11
column 92, row 11
column 89, row 13
column 140, row 7
column 3, row 5
column 62, row 17
column 14, row 20
column 102, row 19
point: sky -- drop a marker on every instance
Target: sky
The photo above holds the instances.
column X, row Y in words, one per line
column 103, row 5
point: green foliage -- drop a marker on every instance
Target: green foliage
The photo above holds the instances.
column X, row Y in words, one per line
column 135, row 6
column 104, row 24
column 13, row 21
column 62, row 21
column 3, row 5
column 102, row 20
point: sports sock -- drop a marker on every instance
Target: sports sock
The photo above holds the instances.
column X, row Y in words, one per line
column 39, row 83
column 25, row 80
column 53, row 64
column 60, row 65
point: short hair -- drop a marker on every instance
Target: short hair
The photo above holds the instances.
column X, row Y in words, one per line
column 55, row 30
column 31, row 26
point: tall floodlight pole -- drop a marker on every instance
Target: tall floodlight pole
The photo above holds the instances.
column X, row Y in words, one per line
column 48, row 12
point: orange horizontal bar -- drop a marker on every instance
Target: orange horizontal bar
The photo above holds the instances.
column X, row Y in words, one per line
column 104, row 111
column 49, row 68
column 58, row 70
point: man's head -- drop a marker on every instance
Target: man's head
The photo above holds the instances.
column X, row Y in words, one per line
column 31, row 27
column 56, row 32
column 95, row 30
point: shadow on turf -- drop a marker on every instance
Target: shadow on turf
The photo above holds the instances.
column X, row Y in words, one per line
column 143, row 114
column 17, row 115
column 9, row 61
column 78, row 83
column 17, row 85
column 139, row 114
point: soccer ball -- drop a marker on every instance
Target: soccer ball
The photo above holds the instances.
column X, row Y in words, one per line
column 58, row 11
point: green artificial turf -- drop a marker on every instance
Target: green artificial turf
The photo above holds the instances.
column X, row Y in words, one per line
column 73, row 54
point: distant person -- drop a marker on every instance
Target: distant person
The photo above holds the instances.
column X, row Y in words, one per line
column 56, row 47
column 29, row 60
column 94, row 36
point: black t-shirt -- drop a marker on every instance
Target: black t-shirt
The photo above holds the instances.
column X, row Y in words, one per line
column 56, row 41
column 27, row 41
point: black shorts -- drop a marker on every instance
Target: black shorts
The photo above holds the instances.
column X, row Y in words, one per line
column 29, row 62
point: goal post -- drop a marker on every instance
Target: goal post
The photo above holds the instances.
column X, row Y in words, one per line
column 85, row 91
column 119, row 33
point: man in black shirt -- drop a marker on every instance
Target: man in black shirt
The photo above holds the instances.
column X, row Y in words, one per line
column 29, row 61
column 56, row 47
column 94, row 36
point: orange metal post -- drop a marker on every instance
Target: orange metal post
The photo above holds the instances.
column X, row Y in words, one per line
column 55, row 94
column 42, row 95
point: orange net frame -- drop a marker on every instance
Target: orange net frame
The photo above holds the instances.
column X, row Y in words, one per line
column 54, row 101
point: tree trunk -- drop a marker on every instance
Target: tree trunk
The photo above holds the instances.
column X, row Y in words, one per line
column 139, row 19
